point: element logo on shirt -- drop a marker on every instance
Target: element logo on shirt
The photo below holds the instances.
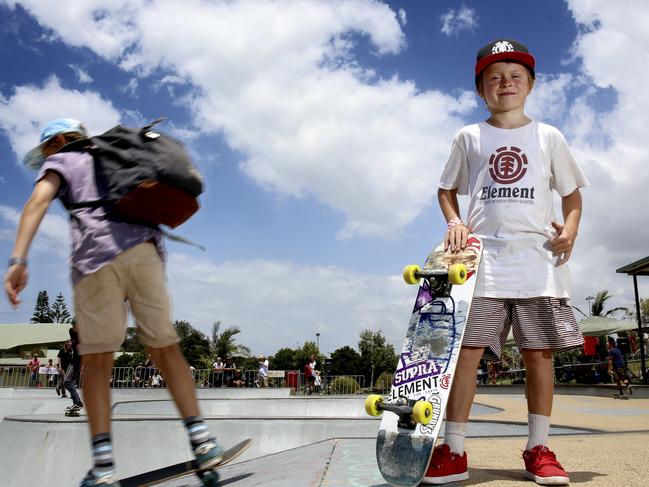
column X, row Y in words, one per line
column 507, row 165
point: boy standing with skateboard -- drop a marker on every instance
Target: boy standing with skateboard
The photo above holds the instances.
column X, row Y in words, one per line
column 509, row 165
column 112, row 262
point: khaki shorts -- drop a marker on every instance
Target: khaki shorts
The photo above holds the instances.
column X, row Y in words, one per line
column 136, row 276
column 537, row 324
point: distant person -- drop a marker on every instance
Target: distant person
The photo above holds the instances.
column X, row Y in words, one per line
column 156, row 379
column 309, row 374
column 112, row 262
column 34, row 365
column 217, row 372
column 52, row 373
column 228, row 372
column 317, row 381
column 73, row 372
column 262, row 373
column 617, row 366
column 64, row 358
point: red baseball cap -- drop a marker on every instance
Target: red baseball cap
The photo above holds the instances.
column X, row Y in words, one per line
column 503, row 50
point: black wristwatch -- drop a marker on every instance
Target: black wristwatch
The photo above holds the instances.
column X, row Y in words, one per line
column 17, row 261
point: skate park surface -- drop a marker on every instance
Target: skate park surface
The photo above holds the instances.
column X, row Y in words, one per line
column 319, row 441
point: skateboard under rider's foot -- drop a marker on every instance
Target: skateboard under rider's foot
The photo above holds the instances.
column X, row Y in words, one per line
column 414, row 409
column 208, row 477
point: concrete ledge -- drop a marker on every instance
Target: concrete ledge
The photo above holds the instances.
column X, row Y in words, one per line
column 597, row 390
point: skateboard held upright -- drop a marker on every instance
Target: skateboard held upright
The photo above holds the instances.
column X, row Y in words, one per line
column 413, row 412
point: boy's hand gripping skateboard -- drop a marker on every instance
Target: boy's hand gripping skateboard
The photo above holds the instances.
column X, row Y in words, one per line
column 422, row 382
column 209, row 478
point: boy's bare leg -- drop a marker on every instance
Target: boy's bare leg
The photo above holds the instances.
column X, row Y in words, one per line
column 176, row 374
column 464, row 385
column 97, row 368
column 539, row 381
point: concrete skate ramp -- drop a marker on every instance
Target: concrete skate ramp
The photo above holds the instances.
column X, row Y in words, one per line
column 45, row 401
column 58, row 446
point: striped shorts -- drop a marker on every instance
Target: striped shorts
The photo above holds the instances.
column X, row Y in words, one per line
column 537, row 323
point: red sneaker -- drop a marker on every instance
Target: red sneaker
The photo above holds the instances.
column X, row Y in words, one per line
column 445, row 466
column 542, row 466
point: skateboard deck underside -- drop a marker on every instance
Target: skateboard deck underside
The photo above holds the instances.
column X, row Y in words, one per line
column 425, row 371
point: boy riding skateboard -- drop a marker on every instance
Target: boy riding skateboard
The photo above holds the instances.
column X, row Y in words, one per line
column 509, row 166
column 112, row 262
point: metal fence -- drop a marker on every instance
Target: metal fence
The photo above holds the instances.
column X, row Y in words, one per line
column 149, row 377
column 587, row 373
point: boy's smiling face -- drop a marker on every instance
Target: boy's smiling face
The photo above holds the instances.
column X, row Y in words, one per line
column 504, row 86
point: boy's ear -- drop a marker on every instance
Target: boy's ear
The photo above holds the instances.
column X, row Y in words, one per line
column 532, row 81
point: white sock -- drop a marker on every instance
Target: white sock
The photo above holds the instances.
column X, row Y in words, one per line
column 454, row 435
column 539, row 430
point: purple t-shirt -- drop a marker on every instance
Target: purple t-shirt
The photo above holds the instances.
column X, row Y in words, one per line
column 96, row 240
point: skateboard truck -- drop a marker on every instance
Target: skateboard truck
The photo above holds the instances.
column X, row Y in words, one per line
column 410, row 412
column 439, row 281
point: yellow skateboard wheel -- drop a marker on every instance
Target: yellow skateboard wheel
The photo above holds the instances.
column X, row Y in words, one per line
column 409, row 274
column 372, row 404
column 422, row 412
column 457, row 274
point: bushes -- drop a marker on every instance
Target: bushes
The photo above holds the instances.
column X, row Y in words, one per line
column 383, row 383
column 344, row 385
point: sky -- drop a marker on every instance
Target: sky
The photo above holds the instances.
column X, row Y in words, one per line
column 321, row 128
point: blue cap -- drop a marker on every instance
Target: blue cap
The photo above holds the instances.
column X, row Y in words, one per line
column 35, row 158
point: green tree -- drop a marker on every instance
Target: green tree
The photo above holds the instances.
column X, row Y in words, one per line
column 599, row 303
column 194, row 344
column 42, row 309
column 59, row 311
column 346, row 361
column 224, row 344
column 377, row 356
column 303, row 356
column 644, row 311
column 284, row 359
column 127, row 360
column 131, row 343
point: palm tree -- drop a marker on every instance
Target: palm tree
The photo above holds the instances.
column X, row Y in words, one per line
column 597, row 306
column 224, row 344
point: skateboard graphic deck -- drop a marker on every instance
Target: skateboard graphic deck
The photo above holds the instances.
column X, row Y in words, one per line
column 414, row 410
column 186, row 468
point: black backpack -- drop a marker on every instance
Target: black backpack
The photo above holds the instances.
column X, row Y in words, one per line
column 148, row 177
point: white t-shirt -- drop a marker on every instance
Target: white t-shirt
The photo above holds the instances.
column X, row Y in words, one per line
column 263, row 368
column 509, row 175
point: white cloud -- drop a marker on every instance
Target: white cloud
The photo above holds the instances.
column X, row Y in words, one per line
column 611, row 145
column 549, row 97
column 24, row 113
column 279, row 304
column 460, row 20
column 288, row 94
column 82, row 75
column 403, row 18
column 52, row 238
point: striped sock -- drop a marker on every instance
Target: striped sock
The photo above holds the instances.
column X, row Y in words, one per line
column 197, row 431
column 539, row 430
column 102, row 455
column 454, row 434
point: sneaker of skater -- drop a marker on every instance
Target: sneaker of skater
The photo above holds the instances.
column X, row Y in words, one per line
column 112, row 263
column 510, row 166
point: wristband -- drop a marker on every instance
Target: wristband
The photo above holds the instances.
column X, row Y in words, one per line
column 17, row 261
column 454, row 221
